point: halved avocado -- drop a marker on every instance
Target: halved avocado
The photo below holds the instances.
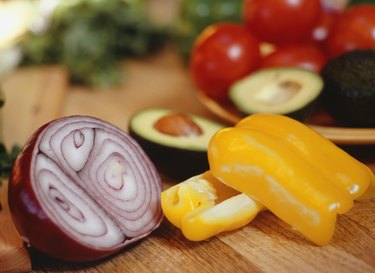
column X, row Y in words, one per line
column 349, row 88
column 292, row 92
column 175, row 141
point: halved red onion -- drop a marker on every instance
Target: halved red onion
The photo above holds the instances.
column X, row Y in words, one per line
column 82, row 189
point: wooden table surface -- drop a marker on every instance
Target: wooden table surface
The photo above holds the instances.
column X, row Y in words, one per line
column 36, row 95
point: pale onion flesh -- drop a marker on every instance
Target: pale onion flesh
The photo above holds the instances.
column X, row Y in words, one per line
column 95, row 182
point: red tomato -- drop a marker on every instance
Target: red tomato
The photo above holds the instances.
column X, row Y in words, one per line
column 353, row 29
column 282, row 21
column 298, row 55
column 223, row 53
column 321, row 31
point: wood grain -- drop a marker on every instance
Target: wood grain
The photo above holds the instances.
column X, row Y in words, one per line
column 13, row 254
column 160, row 80
column 33, row 96
column 265, row 245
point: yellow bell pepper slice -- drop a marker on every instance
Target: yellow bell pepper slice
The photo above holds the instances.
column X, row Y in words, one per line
column 346, row 172
column 202, row 207
column 274, row 162
column 262, row 166
column 197, row 192
column 194, row 193
column 232, row 213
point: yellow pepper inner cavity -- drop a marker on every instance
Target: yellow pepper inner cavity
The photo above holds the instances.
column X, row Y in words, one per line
column 202, row 207
column 182, row 198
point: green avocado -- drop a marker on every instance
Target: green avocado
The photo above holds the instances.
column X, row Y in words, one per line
column 286, row 91
column 175, row 141
column 349, row 88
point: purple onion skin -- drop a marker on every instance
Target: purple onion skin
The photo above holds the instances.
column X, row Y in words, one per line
column 33, row 223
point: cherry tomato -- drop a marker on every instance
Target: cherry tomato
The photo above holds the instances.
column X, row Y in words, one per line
column 281, row 21
column 353, row 29
column 298, row 55
column 320, row 32
column 223, row 53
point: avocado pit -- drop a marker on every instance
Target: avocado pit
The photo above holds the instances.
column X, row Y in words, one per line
column 175, row 141
column 178, row 124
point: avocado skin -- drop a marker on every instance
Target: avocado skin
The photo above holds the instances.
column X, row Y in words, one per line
column 349, row 88
column 175, row 163
column 302, row 112
column 305, row 112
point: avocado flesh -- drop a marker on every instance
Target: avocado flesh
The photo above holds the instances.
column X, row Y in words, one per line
column 143, row 123
column 178, row 157
column 349, row 88
column 286, row 91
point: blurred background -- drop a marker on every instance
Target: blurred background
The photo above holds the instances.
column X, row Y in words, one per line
column 65, row 53
column 90, row 37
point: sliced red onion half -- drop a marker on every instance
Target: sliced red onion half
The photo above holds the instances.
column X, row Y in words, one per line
column 82, row 189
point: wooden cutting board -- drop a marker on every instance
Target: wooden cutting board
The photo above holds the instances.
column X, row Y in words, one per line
column 13, row 254
column 266, row 245
column 33, row 96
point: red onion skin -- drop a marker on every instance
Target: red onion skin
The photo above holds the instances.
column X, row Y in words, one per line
column 32, row 222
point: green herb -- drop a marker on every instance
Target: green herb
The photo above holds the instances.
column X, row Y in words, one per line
column 195, row 15
column 7, row 159
column 91, row 37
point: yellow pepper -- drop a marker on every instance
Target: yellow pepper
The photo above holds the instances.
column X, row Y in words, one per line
column 185, row 197
column 202, row 207
column 344, row 170
column 286, row 167
column 232, row 213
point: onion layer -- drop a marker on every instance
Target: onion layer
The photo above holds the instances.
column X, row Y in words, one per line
column 82, row 189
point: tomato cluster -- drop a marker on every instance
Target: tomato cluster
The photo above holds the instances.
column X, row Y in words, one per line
column 301, row 32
